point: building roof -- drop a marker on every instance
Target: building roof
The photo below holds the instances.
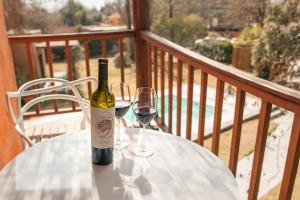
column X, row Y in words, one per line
column 104, row 27
column 57, row 44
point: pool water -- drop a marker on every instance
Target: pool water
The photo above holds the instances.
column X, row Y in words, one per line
column 195, row 114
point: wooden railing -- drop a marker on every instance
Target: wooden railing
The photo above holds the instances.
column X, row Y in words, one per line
column 269, row 93
column 157, row 50
column 29, row 40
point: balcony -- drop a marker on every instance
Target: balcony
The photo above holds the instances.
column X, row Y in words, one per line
column 181, row 78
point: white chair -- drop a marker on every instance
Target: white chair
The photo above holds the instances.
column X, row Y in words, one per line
column 49, row 85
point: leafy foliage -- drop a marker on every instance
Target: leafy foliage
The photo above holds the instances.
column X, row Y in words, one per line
column 72, row 13
column 216, row 49
column 181, row 30
column 249, row 35
column 95, row 48
column 278, row 48
column 246, row 12
column 37, row 19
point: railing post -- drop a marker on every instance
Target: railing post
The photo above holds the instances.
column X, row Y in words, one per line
column 259, row 151
column 141, row 22
column 292, row 161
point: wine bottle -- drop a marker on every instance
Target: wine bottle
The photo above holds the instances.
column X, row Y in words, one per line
column 102, row 118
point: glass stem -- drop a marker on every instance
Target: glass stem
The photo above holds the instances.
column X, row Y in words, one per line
column 143, row 144
column 119, row 132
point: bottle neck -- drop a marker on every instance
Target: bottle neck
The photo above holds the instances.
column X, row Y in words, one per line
column 102, row 77
column 103, row 85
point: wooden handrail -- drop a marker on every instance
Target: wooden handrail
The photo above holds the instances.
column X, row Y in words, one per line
column 72, row 36
column 84, row 37
column 270, row 93
column 276, row 94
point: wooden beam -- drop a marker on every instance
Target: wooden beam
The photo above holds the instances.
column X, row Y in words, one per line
column 237, row 129
column 279, row 95
column 170, row 92
column 189, row 111
column 259, row 151
column 87, row 65
column 202, row 108
column 121, row 49
column 179, row 94
column 292, row 161
column 217, row 117
column 51, row 71
column 162, row 87
column 141, row 22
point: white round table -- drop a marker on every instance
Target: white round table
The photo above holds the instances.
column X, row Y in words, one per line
column 61, row 168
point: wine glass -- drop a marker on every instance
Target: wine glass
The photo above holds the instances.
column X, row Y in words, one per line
column 144, row 108
column 122, row 105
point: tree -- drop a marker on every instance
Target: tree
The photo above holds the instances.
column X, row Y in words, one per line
column 73, row 13
column 181, row 30
column 40, row 18
column 20, row 16
column 123, row 8
column 210, row 11
column 14, row 14
column 245, row 13
column 278, row 47
column 93, row 16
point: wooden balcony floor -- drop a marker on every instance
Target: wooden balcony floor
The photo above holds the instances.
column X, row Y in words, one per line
column 39, row 128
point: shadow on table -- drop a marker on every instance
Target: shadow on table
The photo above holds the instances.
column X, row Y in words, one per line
column 116, row 181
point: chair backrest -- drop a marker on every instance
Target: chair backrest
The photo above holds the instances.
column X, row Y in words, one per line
column 50, row 85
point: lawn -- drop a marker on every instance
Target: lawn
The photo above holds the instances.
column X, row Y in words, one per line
column 273, row 194
column 130, row 74
column 247, row 143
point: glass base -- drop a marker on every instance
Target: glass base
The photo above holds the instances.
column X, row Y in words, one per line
column 122, row 144
column 143, row 152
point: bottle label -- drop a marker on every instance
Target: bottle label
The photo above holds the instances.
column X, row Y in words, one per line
column 102, row 127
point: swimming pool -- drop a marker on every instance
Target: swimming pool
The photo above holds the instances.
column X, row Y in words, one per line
column 195, row 114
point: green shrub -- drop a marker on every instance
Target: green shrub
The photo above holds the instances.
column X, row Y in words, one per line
column 58, row 53
column 95, row 48
column 181, row 30
column 216, row 49
column 249, row 35
column 277, row 50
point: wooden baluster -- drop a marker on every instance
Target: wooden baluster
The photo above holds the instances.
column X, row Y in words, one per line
column 202, row 108
column 32, row 70
column 155, row 69
column 189, row 102
column 179, row 92
column 51, row 72
column 149, row 70
column 87, row 65
column 170, row 95
column 121, row 49
column 292, row 161
column 217, row 117
column 162, row 85
column 237, row 129
column 260, row 144
column 69, row 62
column 103, row 48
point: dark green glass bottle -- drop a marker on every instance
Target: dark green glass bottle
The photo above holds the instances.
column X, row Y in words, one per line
column 102, row 118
